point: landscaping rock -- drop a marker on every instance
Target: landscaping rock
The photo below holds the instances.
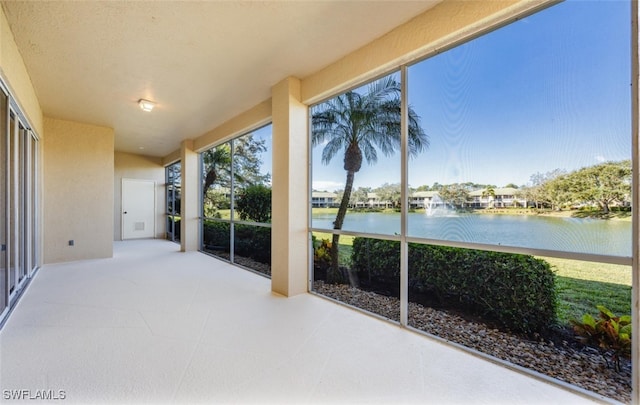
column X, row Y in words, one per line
column 584, row 367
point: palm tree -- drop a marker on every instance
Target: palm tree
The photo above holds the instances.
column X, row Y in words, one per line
column 216, row 164
column 360, row 125
column 491, row 193
column 215, row 161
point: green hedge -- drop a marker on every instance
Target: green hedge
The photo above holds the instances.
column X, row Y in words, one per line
column 254, row 242
column 250, row 241
column 215, row 236
column 515, row 290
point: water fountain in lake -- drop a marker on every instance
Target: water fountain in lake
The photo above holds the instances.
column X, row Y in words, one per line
column 437, row 207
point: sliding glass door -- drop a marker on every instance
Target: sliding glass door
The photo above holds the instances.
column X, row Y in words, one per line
column 172, row 174
column 18, row 203
column 4, row 168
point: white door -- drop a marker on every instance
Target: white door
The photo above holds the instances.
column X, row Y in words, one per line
column 138, row 208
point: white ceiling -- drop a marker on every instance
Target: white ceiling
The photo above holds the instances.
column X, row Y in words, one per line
column 202, row 62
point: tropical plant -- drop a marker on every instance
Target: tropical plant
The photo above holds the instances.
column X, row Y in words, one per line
column 610, row 332
column 360, row 124
column 247, row 161
column 322, row 252
column 217, row 165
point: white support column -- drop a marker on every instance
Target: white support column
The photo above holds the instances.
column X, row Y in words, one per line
column 189, row 198
column 290, row 190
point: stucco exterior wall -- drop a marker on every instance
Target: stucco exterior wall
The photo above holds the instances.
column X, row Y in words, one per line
column 17, row 78
column 78, row 191
column 130, row 166
column 251, row 119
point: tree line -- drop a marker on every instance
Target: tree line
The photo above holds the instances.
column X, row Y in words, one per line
column 595, row 186
column 600, row 185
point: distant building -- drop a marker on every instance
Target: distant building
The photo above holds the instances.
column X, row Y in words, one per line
column 504, row 198
column 323, row 199
column 424, row 199
column 373, row 201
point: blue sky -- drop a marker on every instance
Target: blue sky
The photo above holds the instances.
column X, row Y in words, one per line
column 549, row 91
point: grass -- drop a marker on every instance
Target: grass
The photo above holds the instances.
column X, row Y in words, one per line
column 580, row 286
column 577, row 297
column 324, row 211
column 591, row 271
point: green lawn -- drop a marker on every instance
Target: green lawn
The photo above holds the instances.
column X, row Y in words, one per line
column 577, row 297
column 333, row 211
column 583, row 285
column 580, row 285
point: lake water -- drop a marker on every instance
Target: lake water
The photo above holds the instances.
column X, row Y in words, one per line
column 567, row 234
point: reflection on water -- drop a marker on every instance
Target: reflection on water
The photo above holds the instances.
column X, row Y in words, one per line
column 581, row 235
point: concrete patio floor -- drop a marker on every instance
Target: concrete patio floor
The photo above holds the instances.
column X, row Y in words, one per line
column 155, row 325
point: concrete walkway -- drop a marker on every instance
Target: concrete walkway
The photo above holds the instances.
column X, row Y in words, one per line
column 158, row 326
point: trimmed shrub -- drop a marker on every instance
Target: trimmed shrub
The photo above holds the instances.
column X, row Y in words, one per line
column 215, row 235
column 376, row 260
column 250, row 241
column 517, row 291
column 253, row 242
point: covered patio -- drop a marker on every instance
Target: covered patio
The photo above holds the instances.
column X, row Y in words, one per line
column 155, row 325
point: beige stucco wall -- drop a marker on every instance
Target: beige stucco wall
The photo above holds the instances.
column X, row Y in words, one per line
column 130, row 166
column 78, row 191
column 249, row 120
column 17, row 78
column 171, row 158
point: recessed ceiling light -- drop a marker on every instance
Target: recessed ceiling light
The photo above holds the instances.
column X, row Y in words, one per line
column 146, row 105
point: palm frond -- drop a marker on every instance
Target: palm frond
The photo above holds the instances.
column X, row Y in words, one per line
column 332, row 148
column 371, row 120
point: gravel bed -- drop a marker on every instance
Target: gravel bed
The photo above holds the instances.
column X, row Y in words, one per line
column 246, row 262
column 583, row 367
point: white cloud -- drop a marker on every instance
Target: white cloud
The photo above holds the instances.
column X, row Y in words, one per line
column 600, row 158
column 325, row 185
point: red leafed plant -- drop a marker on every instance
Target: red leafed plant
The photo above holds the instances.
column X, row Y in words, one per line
column 609, row 332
